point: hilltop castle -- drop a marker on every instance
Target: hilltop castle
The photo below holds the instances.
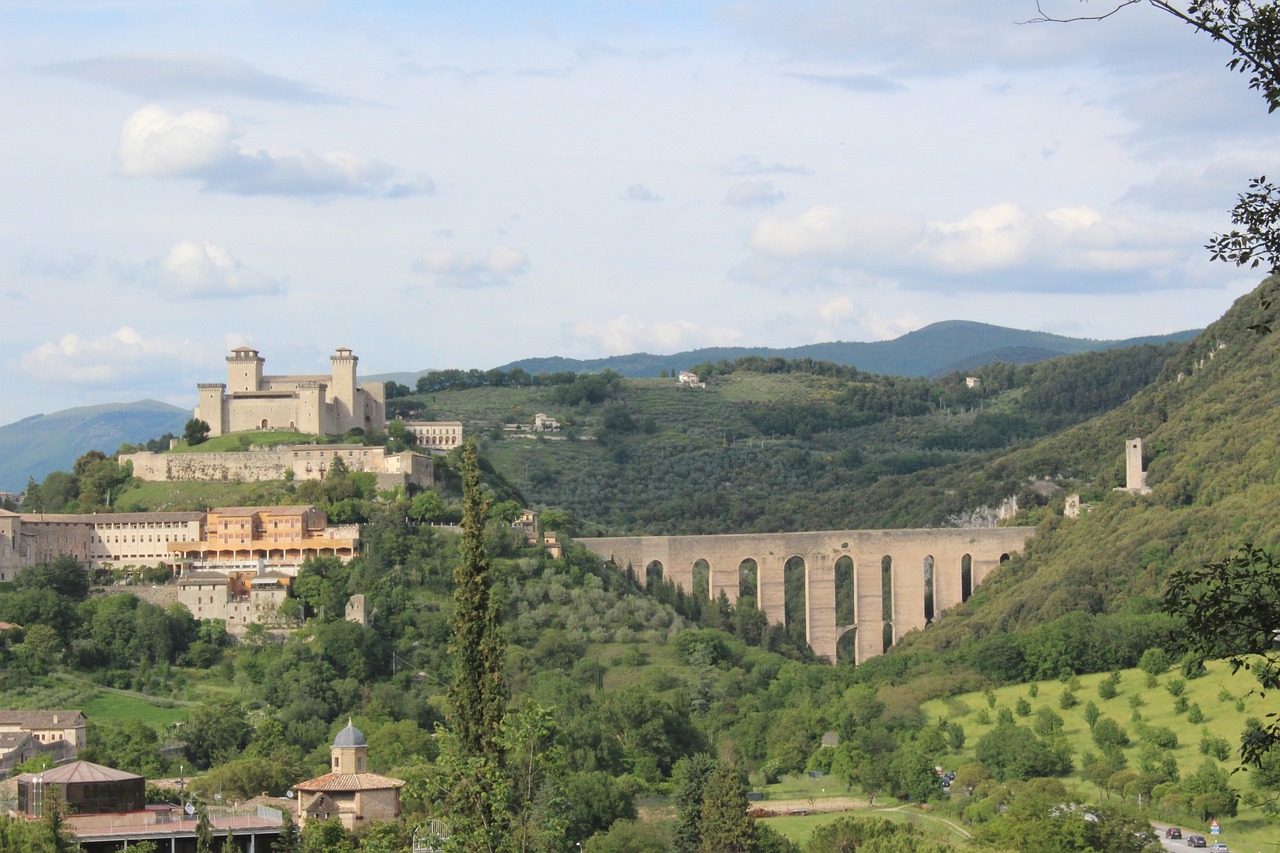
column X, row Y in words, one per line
column 322, row 405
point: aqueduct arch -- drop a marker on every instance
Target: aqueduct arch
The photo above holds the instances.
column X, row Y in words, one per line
column 962, row 558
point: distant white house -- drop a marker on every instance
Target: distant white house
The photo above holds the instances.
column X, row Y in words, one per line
column 688, row 379
column 542, row 423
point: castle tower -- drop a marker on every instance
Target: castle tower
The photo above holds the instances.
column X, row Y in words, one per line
column 342, row 392
column 210, row 409
column 1135, row 478
column 350, row 752
column 244, row 370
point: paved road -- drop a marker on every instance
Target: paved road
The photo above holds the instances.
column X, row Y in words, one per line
column 1181, row 845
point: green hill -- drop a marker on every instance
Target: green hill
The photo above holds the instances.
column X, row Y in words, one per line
column 1209, row 425
column 776, row 445
column 34, row 446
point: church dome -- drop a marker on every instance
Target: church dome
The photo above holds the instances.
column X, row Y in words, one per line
column 349, row 737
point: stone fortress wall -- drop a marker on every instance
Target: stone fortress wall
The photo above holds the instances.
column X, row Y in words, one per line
column 306, row 461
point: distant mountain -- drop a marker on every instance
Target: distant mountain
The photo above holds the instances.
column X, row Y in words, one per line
column 34, row 446
column 935, row 350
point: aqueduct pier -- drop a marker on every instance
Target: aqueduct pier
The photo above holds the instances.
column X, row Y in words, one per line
column 874, row 579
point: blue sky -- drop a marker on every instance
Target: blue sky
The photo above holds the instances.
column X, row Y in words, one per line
column 465, row 184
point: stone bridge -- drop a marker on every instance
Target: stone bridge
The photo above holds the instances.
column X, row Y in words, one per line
column 875, row 584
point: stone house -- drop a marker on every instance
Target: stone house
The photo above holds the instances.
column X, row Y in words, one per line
column 349, row 792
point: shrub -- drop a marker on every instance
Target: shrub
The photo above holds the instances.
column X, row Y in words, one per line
column 1022, row 708
column 1194, row 714
column 1067, row 700
column 1175, row 686
column 1154, row 661
column 1162, row 737
column 1108, row 734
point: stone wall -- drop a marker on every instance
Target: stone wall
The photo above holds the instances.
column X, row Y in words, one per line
column 248, row 466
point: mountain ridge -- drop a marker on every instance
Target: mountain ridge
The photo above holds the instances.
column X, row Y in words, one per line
column 930, row 351
column 36, row 445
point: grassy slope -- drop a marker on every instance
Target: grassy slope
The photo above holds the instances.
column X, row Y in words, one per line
column 1220, row 719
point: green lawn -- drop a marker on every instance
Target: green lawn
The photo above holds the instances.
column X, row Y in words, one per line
column 111, row 707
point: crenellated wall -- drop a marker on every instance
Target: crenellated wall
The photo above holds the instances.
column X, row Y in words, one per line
column 954, row 551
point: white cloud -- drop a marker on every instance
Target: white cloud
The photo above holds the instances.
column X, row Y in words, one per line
column 159, row 144
column 121, row 355
column 753, row 194
column 454, row 268
column 65, row 266
column 205, row 270
column 200, row 144
column 186, row 76
column 842, row 318
column 627, row 334
column 748, row 165
column 1184, row 188
column 998, row 247
column 639, row 192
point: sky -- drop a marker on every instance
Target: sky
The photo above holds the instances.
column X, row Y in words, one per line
column 464, row 184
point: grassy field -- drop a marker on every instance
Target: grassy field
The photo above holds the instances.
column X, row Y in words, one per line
column 111, row 707
column 245, row 440
column 1220, row 696
column 799, row 828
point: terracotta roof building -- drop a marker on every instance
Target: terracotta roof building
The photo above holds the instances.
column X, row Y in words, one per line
column 349, row 792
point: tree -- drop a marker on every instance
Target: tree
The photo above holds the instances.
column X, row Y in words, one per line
column 288, row 841
column 477, row 696
column 474, row 751
column 195, row 432
column 214, row 731
column 725, row 826
column 204, row 831
column 40, row 651
column 692, row 774
column 1232, row 610
column 326, row 836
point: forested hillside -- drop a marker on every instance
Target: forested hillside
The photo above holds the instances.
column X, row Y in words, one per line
column 1210, row 428
column 771, row 444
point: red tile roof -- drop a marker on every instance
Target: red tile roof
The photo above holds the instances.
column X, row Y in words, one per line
column 349, row 782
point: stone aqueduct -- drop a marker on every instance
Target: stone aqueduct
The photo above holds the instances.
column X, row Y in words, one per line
column 959, row 559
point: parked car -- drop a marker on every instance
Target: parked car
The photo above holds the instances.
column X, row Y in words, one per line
column 1173, row 832
column 1196, row 841
column 1220, row 847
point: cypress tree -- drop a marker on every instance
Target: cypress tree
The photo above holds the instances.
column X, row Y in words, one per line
column 477, row 696
column 473, row 754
